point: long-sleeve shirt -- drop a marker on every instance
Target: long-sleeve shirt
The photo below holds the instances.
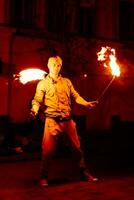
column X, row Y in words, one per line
column 56, row 96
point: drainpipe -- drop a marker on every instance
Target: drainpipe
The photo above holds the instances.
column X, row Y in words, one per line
column 10, row 74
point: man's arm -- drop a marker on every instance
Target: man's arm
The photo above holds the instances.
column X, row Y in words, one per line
column 89, row 104
column 38, row 98
column 79, row 99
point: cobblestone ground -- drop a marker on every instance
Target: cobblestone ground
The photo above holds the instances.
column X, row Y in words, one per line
column 19, row 181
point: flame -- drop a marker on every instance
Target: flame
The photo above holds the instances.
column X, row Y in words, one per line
column 114, row 66
column 30, row 75
column 101, row 54
column 107, row 56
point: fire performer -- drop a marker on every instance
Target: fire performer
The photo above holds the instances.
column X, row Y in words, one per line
column 55, row 92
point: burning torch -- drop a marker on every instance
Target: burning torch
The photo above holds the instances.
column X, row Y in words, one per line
column 30, row 74
column 107, row 56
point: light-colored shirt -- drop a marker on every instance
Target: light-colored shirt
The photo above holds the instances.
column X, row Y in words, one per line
column 56, row 96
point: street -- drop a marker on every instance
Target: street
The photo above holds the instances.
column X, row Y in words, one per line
column 19, row 181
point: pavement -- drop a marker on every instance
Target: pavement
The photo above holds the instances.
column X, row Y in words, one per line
column 20, row 181
column 109, row 158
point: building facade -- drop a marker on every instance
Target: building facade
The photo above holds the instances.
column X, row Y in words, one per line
column 33, row 30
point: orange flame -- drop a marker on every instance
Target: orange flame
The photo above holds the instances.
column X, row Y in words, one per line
column 30, row 75
column 114, row 66
column 107, row 56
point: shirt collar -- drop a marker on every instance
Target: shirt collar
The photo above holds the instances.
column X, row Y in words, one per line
column 53, row 80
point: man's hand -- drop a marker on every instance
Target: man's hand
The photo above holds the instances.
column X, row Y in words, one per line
column 92, row 104
column 33, row 114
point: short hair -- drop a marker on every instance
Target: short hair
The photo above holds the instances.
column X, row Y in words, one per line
column 56, row 59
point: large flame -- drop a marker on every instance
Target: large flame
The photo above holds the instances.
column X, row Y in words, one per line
column 114, row 66
column 107, row 56
column 30, row 75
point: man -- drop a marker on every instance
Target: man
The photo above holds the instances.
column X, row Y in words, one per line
column 56, row 93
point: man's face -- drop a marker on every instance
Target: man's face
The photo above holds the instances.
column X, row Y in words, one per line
column 54, row 67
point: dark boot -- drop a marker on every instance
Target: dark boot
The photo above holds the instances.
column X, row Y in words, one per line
column 86, row 176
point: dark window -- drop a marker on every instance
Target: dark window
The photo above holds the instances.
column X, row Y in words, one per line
column 1, row 65
column 86, row 20
column 126, row 20
column 21, row 13
column 56, row 15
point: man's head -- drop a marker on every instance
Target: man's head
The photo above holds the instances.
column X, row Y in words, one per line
column 54, row 65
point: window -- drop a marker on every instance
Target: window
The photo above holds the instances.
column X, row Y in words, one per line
column 126, row 20
column 21, row 13
column 86, row 21
column 56, row 15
